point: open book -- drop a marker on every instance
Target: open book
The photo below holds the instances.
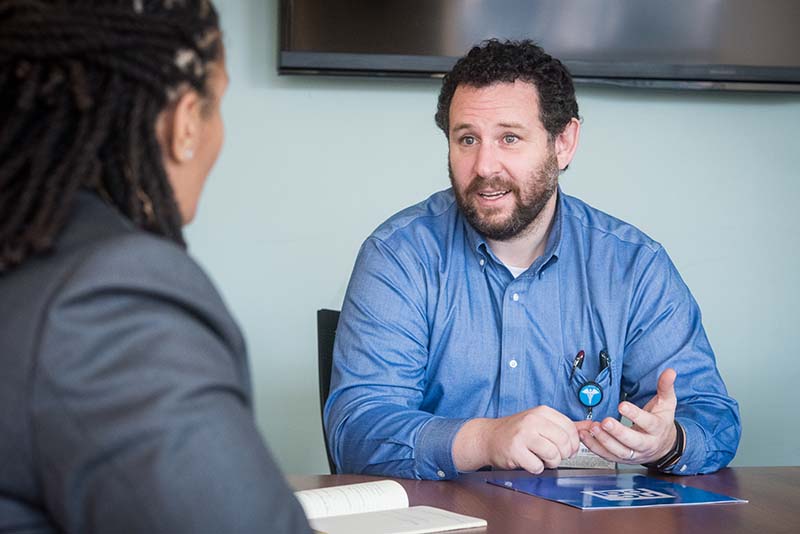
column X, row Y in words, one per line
column 379, row 507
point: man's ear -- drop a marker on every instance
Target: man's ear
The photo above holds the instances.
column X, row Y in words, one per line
column 180, row 127
column 567, row 142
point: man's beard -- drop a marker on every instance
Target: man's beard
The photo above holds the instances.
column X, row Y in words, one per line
column 530, row 199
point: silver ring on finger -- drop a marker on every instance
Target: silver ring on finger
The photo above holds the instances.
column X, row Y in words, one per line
column 632, row 455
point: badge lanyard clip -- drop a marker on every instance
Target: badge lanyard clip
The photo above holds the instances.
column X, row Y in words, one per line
column 590, row 394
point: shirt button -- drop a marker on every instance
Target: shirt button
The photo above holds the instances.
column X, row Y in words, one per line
column 513, row 364
column 683, row 468
column 440, row 473
column 515, row 296
column 482, row 262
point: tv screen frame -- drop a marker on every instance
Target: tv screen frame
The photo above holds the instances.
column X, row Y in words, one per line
column 741, row 45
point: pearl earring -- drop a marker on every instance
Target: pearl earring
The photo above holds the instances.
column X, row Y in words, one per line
column 188, row 153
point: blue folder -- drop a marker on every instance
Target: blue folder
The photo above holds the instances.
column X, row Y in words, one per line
column 602, row 492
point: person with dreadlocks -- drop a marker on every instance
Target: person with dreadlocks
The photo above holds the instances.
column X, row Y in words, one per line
column 124, row 393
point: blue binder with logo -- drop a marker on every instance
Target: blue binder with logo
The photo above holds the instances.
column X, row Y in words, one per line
column 602, row 492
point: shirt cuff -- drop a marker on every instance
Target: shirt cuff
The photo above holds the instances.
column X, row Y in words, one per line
column 433, row 450
column 694, row 453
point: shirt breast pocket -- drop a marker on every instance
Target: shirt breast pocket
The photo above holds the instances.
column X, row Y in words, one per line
column 589, row 398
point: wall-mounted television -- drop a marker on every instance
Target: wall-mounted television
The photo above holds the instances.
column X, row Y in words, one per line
column 690, row 44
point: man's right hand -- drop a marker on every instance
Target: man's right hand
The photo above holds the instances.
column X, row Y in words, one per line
column 532, row 440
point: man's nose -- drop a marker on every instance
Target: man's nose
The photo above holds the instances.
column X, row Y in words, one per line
column 487, row 163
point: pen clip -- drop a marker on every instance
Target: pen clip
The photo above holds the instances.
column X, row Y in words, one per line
column 577, row 363
column 605, row 362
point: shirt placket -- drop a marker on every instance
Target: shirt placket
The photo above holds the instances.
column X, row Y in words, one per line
column 514, row 360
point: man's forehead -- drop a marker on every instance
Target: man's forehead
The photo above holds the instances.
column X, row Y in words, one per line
column 506, row 103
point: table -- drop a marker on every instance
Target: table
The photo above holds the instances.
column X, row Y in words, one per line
column 773, row 492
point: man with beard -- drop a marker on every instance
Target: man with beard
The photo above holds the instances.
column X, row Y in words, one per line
column 501, row 322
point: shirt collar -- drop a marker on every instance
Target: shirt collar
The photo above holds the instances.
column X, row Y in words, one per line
column 551, row 252
column 553, row 248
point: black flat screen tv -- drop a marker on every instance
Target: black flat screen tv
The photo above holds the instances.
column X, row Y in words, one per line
column 689, row 44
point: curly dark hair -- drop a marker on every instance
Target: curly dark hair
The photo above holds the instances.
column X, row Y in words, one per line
column 81, row 85
column 507, row 61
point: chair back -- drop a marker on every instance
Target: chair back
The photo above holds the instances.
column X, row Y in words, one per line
column 327, row 320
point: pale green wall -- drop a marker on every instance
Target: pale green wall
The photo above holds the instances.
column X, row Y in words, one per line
column 311, row 165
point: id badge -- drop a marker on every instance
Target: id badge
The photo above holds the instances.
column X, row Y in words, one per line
column 586, row 459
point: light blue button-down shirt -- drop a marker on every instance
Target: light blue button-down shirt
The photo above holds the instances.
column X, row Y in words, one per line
column 435, row 330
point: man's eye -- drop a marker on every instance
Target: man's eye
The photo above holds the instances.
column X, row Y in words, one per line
column 510, row 139
column 468, row 140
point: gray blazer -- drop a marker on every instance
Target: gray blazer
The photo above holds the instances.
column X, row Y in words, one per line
column 124, row 393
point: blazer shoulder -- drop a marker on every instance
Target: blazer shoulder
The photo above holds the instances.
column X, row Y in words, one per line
column 138, row 259
column 147, row 267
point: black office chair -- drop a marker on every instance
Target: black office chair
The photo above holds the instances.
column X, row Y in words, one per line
column 326, row 334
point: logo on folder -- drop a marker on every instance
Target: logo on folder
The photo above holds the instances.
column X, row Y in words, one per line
column 629, row 494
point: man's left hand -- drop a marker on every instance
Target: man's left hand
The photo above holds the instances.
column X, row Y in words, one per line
column 653, row 432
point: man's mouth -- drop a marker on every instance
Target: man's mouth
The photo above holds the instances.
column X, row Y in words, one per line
column 491, row 195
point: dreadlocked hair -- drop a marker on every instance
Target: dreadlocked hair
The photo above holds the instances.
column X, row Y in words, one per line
column 81, row 85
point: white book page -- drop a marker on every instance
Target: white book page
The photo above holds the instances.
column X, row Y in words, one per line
column 414, row 520
column 352, row 499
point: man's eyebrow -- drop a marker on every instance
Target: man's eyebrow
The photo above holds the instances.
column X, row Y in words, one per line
column 462, row 126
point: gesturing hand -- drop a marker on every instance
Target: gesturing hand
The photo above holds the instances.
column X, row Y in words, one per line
column 653, row 432
column 532, row 440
